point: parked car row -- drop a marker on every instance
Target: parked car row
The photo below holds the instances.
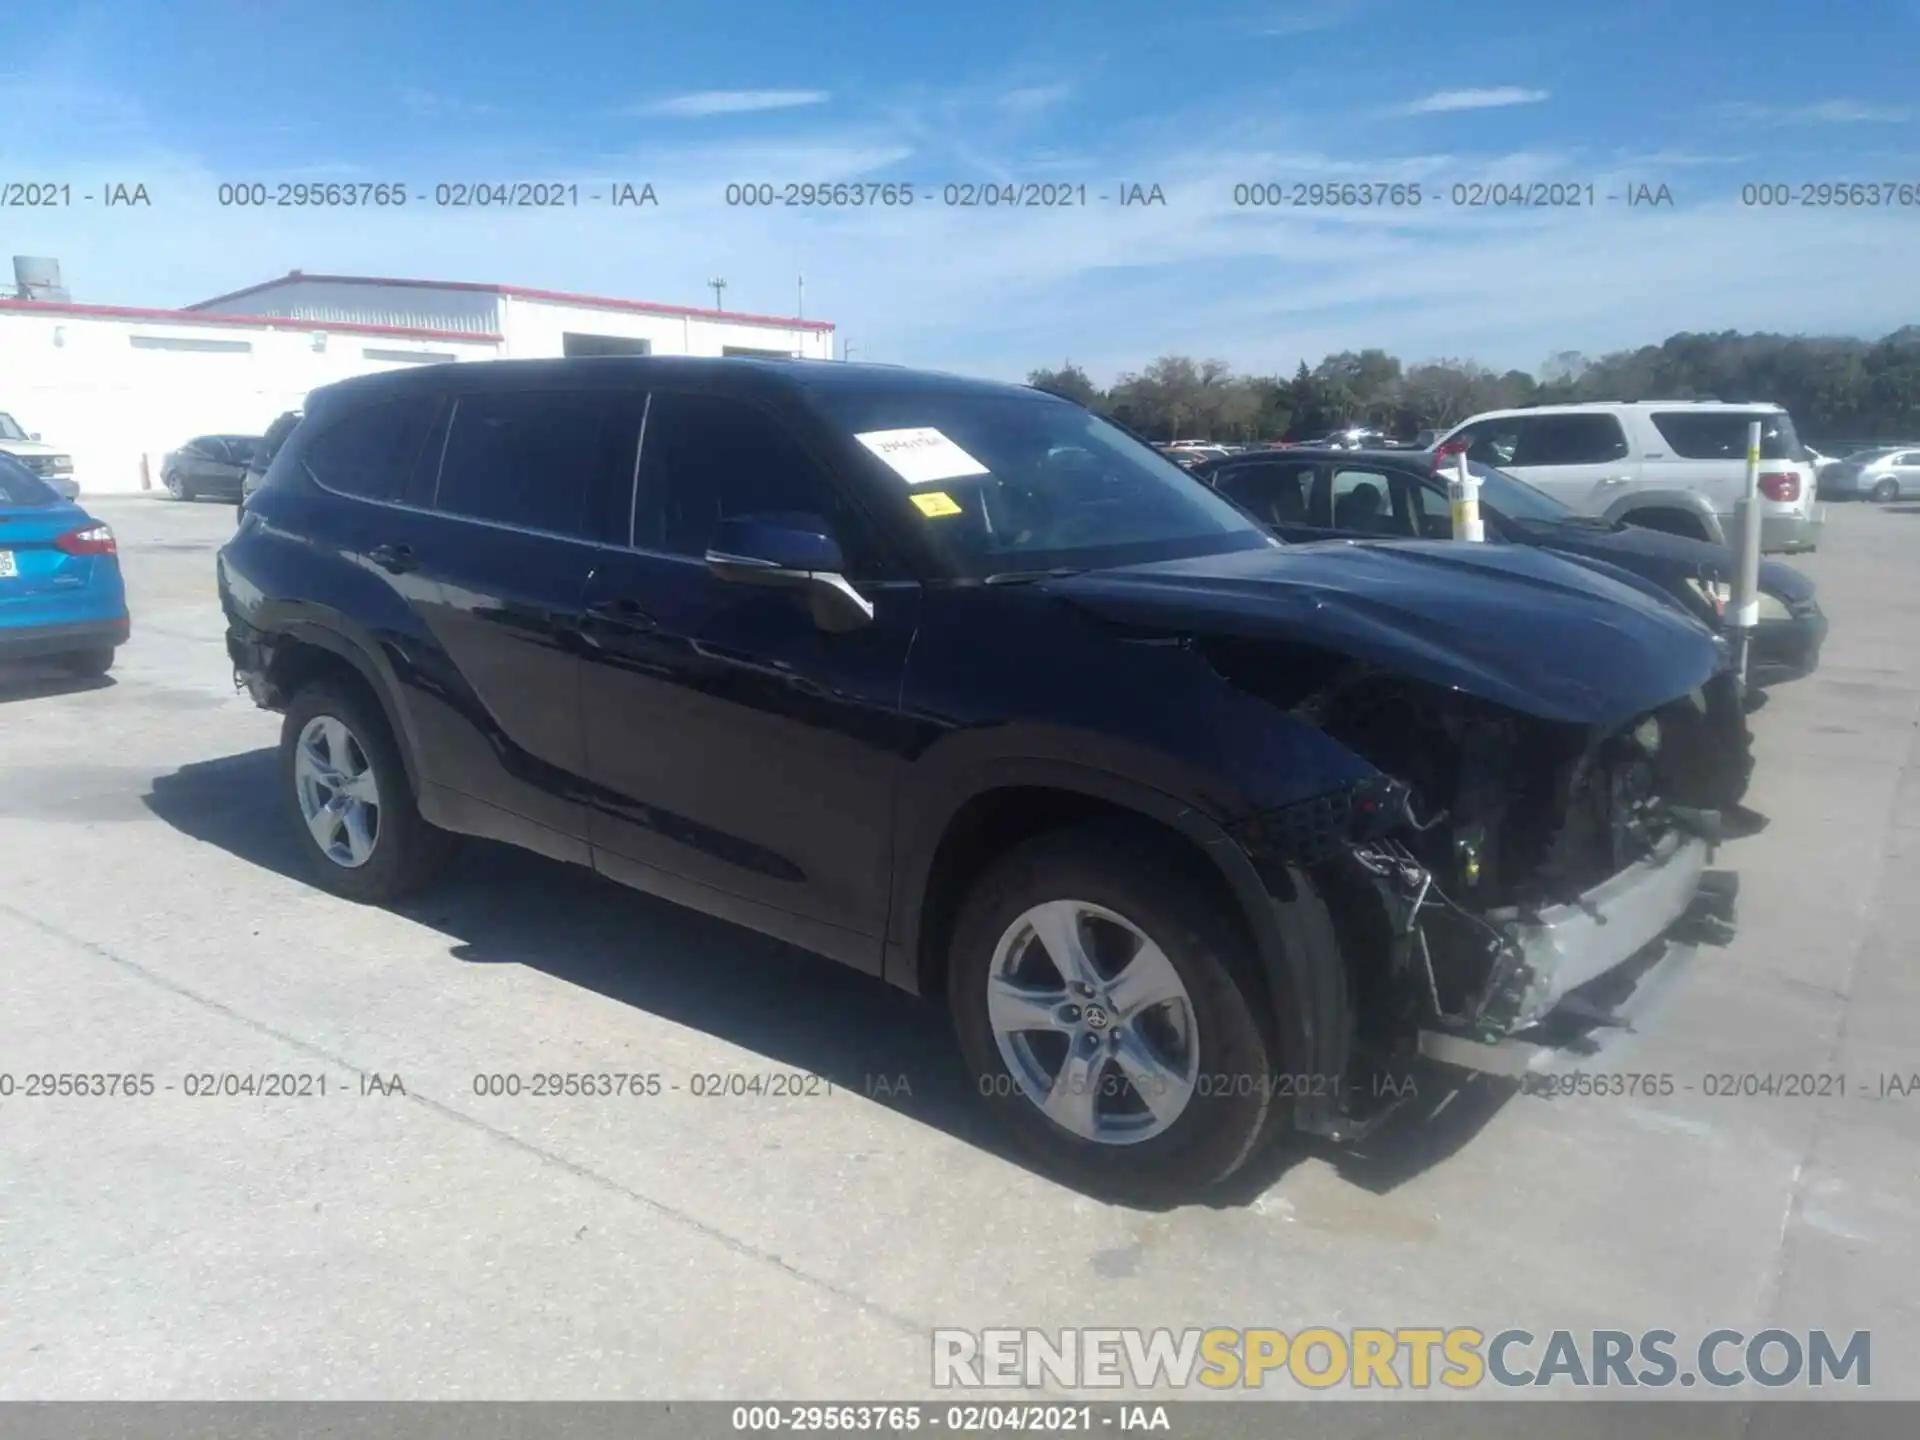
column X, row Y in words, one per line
column 1882, row 475
column 1198, row 826
column 1311, row 494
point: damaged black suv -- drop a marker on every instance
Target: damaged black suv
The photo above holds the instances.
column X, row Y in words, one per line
column 1196, row 833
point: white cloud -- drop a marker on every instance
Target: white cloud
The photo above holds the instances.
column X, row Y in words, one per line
column 731, row 102
column 1822, row 112
column 1443, row 102
column 1032, row 99
column 1304, row 17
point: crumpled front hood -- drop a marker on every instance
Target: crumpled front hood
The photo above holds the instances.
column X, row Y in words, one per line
column 1515, row 625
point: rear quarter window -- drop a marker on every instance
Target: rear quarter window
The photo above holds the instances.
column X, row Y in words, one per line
column 369, row 452
column 1722, row 434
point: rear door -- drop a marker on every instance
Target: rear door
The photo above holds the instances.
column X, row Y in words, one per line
column 1905, row 469
column 505, row 534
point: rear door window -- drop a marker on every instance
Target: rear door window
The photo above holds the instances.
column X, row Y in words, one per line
column 1722, row 434
column 370, row 452
column 559, row 462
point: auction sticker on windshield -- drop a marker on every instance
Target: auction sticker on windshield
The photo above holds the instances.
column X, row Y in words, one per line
column 936, row 503
column 921, row 455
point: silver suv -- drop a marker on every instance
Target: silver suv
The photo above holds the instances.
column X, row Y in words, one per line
column 1674, row 465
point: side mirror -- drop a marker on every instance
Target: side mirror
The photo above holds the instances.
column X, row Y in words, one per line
column 35, row 435
column 790, row 552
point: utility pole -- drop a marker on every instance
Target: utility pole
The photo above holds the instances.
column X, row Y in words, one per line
column 800, row 312
column 846, row 351
column 719, row 288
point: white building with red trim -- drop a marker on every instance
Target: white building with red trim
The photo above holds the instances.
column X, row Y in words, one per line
column 116, row 387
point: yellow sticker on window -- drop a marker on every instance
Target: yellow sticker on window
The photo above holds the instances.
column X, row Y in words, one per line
column 936, row 503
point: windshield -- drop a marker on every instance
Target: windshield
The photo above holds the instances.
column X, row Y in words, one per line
column 19, row 486
column 1030, row 484
column 10, row 428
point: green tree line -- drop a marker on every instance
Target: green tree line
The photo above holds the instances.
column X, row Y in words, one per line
column 1840, row 391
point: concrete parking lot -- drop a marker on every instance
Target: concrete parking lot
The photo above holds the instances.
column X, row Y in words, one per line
column 402, row 1236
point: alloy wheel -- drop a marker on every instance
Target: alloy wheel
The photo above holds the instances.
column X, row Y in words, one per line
column 338, row 793
column 1093, row 1022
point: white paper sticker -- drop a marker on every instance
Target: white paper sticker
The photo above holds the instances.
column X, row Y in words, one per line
column 922, row 455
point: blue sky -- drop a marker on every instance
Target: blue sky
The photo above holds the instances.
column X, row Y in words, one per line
column 1196, row 98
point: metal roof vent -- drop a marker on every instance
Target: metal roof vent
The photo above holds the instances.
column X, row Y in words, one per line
column 38, row 278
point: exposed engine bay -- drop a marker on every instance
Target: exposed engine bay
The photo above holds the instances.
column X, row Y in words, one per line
column 1444, row 875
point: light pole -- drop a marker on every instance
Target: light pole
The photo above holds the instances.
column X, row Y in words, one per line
column 800, row 311
column 719, row 288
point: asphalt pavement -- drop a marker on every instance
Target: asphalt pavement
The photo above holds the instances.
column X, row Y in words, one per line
column 404, row 1235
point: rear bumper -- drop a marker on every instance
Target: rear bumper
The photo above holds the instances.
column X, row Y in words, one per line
column 1785, row 534
column 29, row 642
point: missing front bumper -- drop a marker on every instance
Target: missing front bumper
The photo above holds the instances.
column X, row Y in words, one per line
column 1563, row 947
column 1585, row 1022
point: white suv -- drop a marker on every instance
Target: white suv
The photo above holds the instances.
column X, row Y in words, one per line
column 1675, row 465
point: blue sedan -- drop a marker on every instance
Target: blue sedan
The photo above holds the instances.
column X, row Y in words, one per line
column 61, row 595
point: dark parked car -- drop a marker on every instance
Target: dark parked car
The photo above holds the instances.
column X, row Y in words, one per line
column 1194, row 831
column 1313, row 495
column 208, row 466
column 263, row 452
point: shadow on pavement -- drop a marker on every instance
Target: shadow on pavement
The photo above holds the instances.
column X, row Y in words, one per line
column 30, row 680
column 500, row 905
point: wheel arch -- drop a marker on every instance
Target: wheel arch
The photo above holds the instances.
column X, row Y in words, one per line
column 307, row 650
column 1278, row 914
column 1688, row 503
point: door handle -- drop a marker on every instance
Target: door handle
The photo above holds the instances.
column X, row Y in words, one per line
column 394, row 559
column 1615, row 479
column 620, row 614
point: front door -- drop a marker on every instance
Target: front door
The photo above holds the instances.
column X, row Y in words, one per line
column 743, row 760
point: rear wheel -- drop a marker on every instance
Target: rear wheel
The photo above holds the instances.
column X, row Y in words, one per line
column 1886, row 491
column 1108, row 1016
column 349, row 800
column 97, row 661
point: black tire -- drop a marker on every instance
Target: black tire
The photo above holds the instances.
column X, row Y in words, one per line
column 1885, row 492
column 1131, row 873
column 178, row 486
column 97, row 661
column 408, row 853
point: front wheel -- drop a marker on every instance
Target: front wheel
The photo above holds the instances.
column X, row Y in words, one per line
column 348, row 797
column 1108, row 1016
column 1886, row 491
column 177, row 485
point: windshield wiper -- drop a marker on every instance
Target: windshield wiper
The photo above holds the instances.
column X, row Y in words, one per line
column 1023, row 577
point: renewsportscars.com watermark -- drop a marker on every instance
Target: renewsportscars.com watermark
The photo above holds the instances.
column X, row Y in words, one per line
column 1366, row 1358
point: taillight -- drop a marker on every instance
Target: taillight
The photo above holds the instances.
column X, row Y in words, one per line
column 1780, row 485
column 94, row 540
